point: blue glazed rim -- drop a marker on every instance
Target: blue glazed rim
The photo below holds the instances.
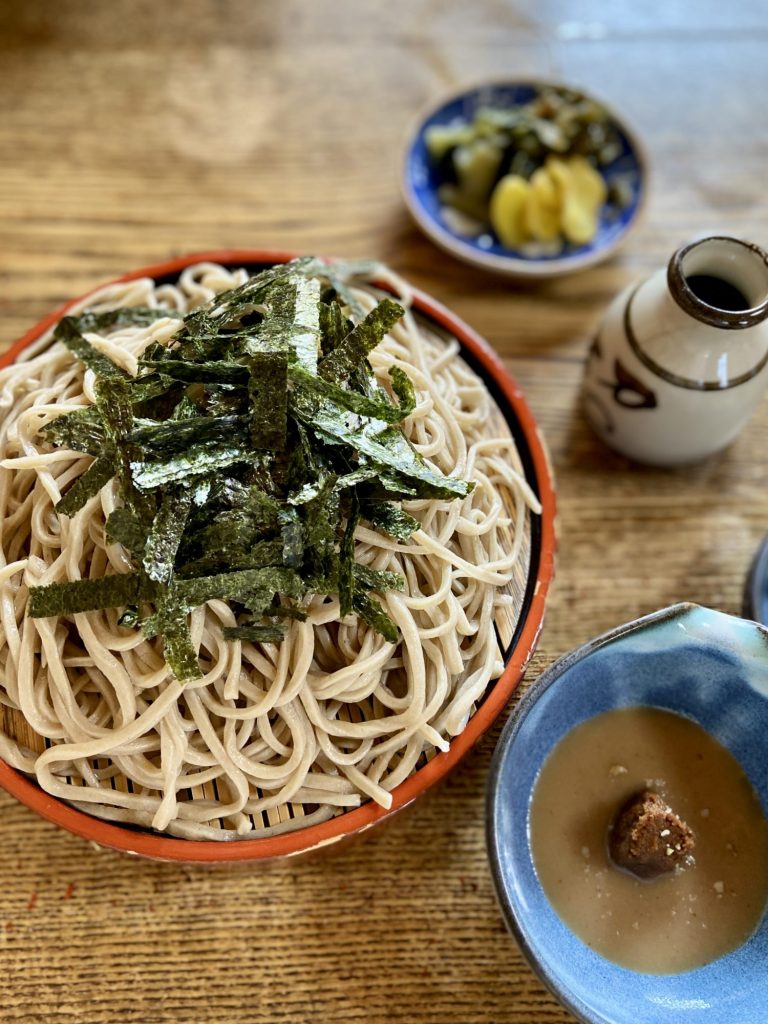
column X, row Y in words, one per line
column 419, row 185
column 756, row 586
column 496, row 851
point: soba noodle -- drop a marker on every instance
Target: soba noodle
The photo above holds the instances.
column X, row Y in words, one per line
column 273, row 736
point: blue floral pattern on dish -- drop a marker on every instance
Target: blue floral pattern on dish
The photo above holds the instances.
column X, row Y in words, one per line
column 700, row 663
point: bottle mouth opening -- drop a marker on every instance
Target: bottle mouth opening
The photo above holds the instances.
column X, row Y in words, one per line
column 721, row 281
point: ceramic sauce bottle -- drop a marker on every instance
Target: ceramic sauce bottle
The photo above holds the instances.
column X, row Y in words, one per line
column 681, row 359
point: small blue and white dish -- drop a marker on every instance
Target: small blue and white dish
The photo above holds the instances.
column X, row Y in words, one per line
column 710, row 667
column 421, row 180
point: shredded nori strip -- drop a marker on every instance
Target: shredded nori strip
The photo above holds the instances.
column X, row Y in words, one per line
column 268, row 395
column 165, row 536
column 217, row 372
column 81, row 430
column 248, row 586
column 124, row 528
column 292, row 538
column 390, row 518
column 254, row 632
column 334, row 326
column 360, row 341
column 86, row 595
column 177, row 436
column 260, row 555
column 126, row 316
column 88, row 485
column 402, row 385
column 371, row 611
column 346, row 559
column 246, row 451
column 69, row 331
column 391, row 451
column 310, row 393
column 376, row 579
column 202, row 458
column 177, row 641
column 113, row 401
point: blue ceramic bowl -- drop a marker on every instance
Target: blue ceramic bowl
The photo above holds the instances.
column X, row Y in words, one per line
column 700, row 663
column 420, row 183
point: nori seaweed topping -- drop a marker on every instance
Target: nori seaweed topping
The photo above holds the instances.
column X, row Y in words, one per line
column 403, row 387
column 376, row 579
column 253, row 588
column 311, row 393
column 371, row 611
column 117, row 591
column 391, row 451
column 113, row 401
column 334, row 326
column 123, row 527
column 197, row 459
column 89, row 484
column 129, row 619
column 390, row 518
column 215, row 372
column 70, row 331
column 245, row 452
column 268, row 395
column 254, row 632
column 126, row 316
column 361, row 340
column 165, row 536
column 80, row 430
column 177, row 436
column 177, row 641
column 347, row 559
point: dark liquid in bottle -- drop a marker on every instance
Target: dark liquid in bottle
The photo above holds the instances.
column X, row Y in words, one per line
column 717, row 292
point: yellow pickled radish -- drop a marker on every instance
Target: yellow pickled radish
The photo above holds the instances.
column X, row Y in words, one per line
column 507, row 210
column 560, row 174
column 579, row 221
column 545, row 188
column 541, row 217
column 580, row 197
column 587, row 181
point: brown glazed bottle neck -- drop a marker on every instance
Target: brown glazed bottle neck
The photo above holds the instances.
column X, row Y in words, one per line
column 700, row 310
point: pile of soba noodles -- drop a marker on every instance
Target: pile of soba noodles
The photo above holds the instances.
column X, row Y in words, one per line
column 270, row 737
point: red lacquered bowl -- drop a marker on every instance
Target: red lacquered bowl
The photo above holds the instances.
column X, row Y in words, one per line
column 478, row 354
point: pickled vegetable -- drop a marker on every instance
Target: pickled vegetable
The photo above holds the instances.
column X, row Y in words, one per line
column 530, row 172
column 507, row 210
column 542, row 209
column 582, row 193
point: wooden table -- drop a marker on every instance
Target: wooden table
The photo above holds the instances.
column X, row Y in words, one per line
column 131, row 131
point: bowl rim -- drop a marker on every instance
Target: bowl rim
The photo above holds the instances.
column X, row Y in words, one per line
column 160, row 847
column 755, row 584
column 518, row 266
column 512, row 726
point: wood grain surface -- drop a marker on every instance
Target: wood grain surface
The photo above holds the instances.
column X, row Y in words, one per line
column 131, row 131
